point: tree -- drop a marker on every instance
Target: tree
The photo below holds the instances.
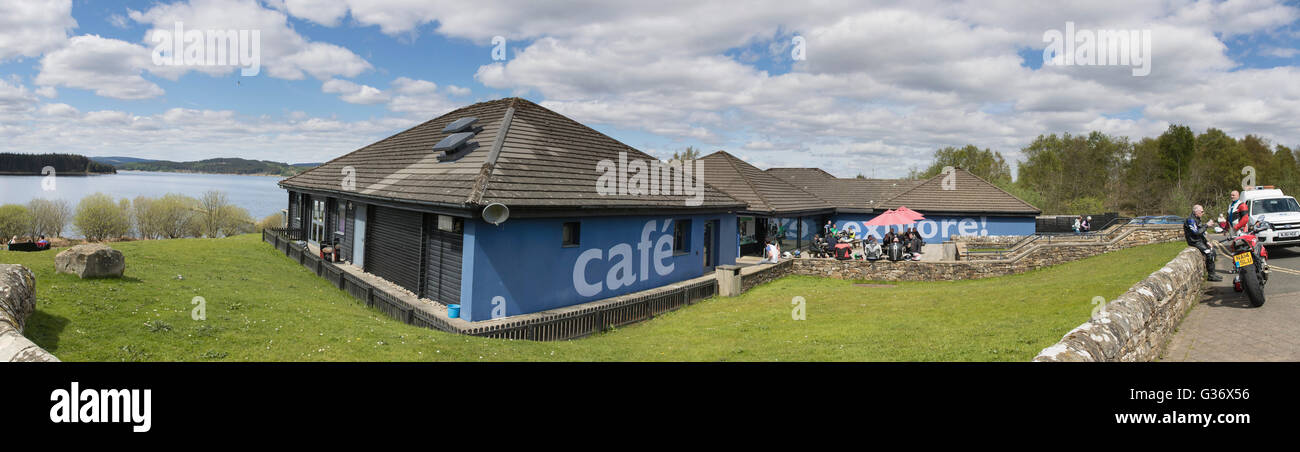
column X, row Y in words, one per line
column 218, row 218
column 986, row 164
column 99, row 218
column 1177, row 146
column 49, row 217
column 14, row 220
column 176, row 216
column 690, row 153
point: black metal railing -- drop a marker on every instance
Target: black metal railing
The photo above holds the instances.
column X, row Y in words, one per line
column 569, row 324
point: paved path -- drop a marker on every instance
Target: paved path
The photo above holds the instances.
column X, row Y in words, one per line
column 1224, row 326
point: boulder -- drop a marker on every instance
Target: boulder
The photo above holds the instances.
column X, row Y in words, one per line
column 17, row 295
column 17, row 302
column 91, row 261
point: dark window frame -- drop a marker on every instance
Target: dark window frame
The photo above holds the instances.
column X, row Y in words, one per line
column 575, row 238
column 681, row 237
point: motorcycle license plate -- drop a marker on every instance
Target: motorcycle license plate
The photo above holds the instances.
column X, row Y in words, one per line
column 1243, row 259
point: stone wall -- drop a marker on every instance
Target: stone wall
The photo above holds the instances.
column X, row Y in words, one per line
column 17, row 303
column 1041, row 253
column 1136, row 325
column 765, row 275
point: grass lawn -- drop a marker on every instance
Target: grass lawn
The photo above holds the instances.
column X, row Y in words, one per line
column 261, row 306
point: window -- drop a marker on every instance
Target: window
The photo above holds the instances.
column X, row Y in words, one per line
column 317, row 221
column 571, row 235
column 342, row 217
column 682, row 237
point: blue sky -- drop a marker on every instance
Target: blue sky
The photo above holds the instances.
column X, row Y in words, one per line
column 882, row 86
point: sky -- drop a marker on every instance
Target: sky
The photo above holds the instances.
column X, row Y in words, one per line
column 849, row 86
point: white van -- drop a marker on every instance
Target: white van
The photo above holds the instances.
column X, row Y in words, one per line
column 1280, row 210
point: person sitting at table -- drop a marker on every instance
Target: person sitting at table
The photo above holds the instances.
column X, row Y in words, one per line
column 43, row 243
column 916, row 243
column 889, row 237
column 819, row 247
column 871, row 249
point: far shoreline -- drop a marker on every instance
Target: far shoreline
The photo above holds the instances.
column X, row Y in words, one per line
column 200, row 172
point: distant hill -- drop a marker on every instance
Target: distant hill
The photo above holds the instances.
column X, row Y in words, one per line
column 309, row 165
column 217, row 166
column 119, row 160
column 63, row 164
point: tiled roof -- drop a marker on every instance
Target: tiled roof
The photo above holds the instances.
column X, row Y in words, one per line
column 762, row 191
column 544, row 160
column 844, row 194
column 968, row 193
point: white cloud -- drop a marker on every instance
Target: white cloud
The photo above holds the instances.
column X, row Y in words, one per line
column 285, row 53
column 29, row 28
column 419, row 98
column 109, row 67
column 64, row 110
column 15, row 97
column 353, row 93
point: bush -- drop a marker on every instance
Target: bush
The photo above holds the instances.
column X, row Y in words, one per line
column 99, row 218
column 218, row 218
column 172, row 216
column 270, row 222
column 14, row 220
column 49, row 217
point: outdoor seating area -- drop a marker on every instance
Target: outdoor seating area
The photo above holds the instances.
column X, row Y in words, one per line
column 39, row 244
column 901, row 241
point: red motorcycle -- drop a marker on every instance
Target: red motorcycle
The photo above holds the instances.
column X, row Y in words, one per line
column 1250, row 260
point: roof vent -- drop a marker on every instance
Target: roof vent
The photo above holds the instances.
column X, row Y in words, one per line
column 454, row 146
column 460, row 125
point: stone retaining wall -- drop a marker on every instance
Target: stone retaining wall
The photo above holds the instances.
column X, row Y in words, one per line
column 1136, row 325
column 771, row 273
column 17, row 302
column 1033, row 256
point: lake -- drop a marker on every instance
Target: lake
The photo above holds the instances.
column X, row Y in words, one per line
column 259, row 194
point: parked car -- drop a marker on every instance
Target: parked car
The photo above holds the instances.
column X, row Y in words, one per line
column 1282, row 212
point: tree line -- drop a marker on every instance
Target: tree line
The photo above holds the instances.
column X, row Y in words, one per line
column 62, row 163
column 1097, row 172
column 99, row 217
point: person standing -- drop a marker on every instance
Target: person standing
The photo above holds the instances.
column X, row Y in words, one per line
column 1232, row 206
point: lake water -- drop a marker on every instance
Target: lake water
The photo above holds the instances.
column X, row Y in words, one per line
column 259, row 194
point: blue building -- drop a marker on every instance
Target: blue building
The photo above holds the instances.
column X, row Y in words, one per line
column 956, row 203
column 775, row 210
column 508, row 208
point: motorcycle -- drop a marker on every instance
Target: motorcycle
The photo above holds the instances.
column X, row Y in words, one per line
column 1250, row 261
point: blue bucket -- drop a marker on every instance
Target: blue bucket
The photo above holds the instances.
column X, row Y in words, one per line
column 453, row 311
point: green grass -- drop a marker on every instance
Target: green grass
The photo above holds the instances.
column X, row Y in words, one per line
column 261, row 306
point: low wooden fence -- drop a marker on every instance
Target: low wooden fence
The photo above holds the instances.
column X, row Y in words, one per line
column 562, row 325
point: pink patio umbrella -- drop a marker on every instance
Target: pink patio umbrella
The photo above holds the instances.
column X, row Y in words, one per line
column 890, row 218
column 914, row 215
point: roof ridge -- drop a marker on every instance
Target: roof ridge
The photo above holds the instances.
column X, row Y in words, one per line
column 390, row 137
column 489, row 164
column 909, row 190
column 732, row 161
column 1017, row 198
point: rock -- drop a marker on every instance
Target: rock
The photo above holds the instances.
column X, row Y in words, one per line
column 91, row 261
column 17, row 295
column 17, row 302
